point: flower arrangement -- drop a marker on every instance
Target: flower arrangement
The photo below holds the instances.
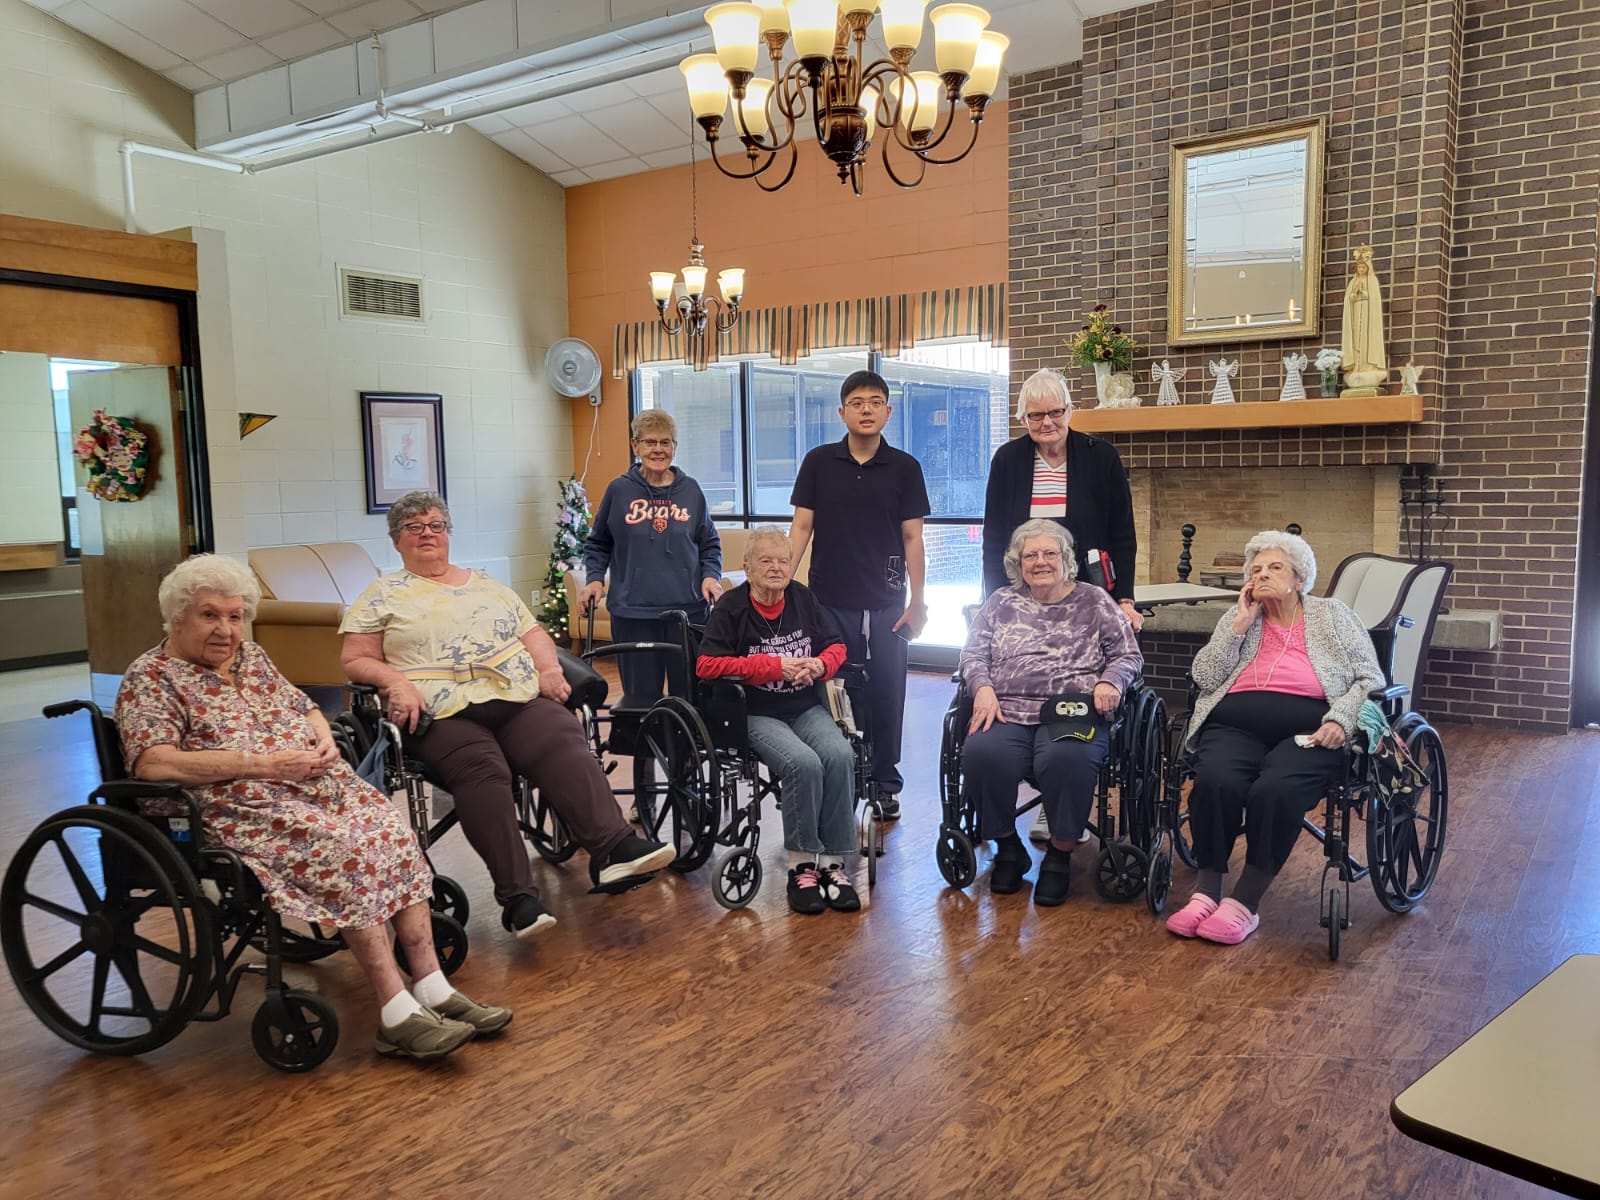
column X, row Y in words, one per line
column 1102, row 342
column 572, row 530
column 117, row 454
column 1329, row 361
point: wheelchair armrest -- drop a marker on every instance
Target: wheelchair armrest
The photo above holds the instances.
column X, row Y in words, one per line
column 127, row 792
column 589, row 687
column 1383, row 695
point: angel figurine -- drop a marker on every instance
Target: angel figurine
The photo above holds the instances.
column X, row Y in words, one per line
column 1166, row 378
column 1409, row 374
column 1223, row 370
column 1294, row 388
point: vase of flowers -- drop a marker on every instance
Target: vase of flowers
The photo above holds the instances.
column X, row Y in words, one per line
column 1104, row 347
column 1328, row 362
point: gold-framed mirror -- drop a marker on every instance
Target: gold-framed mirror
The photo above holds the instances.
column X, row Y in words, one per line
column 1245, row 245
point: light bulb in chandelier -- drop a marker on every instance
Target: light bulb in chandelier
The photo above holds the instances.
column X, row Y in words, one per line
column 854, row 104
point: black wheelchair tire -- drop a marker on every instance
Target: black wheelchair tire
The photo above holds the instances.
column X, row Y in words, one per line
column 672, row 735
column 1119, row 871
column 874, row 836
column 1158, row 881
column 737, row 877
column 1336, row 922
column 449, row 943
column 958, row 861
column 112, row 939
column 1402, row 860
column 294, row 1030
column 543, row 829
column 451, row 898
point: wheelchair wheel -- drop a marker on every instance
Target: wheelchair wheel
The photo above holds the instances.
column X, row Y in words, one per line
column 1182, row 843
column 1335, row 921
column 958, row 862
column 294, row 1030
column 737, row 878
column 93, row 891
column 871, row 848
column 681, row 807
column 1158, row 880
column 1119, row 871
column 449, row 943
column 543, row 829
column 1405, row 831
column 450, row 897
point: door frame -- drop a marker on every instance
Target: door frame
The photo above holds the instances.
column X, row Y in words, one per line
column 1586, row 628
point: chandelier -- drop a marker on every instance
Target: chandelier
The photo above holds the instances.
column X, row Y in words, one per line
column 693, row 308
column 850, row 102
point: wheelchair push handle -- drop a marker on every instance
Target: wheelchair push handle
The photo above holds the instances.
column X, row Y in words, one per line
column 65, row 708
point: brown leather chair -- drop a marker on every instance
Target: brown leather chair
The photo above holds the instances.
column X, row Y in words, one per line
column 305, row 591
column 576, row 622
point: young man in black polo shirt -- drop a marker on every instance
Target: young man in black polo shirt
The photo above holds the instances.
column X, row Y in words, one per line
column 864, row 501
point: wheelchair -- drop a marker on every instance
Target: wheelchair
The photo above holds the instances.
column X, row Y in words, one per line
column 1405, row 832
column 1133, row 858
column 125, row 883
column 691, row 761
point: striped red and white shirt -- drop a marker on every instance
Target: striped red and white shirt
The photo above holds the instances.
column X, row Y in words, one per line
column 1049, row 489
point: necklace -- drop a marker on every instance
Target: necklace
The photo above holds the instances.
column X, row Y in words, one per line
column 1288, row 643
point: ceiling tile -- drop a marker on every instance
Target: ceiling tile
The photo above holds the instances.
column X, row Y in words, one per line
column 374, row 17
column 570, row 178
column 236, row 64
column 255, row 18
column 577, row 141
column 191, row 77
column 666, row 82
column 666, row 158
column 180, row 27
column 48, row 6
column 304, row 40
column 530, row 151
column 323, row 7
column 638, row 128
column 613, row 170
column 119, row 37
column 529, row 116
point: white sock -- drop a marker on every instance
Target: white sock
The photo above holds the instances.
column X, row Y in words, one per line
column 798, row 858
column 397, row 1008
column 432, row 989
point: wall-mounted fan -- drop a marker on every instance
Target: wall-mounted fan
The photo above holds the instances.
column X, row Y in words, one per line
column 573, row 369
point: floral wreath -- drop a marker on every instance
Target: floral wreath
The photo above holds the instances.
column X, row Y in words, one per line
column 117, row 455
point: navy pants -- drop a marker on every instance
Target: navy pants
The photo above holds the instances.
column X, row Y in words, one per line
column 869, row 639
column 995, row 760
column 643, row 673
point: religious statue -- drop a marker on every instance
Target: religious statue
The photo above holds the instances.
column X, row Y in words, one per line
column 1222, row 369
column 1166, row 378
column 1409, row 374
column 1119, row 391
column 1294, row 388
column 1361, row 337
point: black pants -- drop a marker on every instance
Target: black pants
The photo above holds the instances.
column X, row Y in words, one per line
column 642, row 673
column 869, row 638
column 1252, row 778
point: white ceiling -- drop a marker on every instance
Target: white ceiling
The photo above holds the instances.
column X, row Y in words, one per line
column 616, row 128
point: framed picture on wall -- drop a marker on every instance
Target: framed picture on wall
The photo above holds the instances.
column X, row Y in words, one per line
column 402, row 434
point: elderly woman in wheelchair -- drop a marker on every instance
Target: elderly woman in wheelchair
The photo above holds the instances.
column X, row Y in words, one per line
column 1047, row 662
column 463, row 665
column 1280, row 685
column 208, row 710
column 771, row 633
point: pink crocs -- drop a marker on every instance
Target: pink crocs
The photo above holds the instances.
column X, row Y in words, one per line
column 1187, row 919
column 1229, row 925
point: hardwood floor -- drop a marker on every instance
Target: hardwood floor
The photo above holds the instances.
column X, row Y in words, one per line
column 939, row 1044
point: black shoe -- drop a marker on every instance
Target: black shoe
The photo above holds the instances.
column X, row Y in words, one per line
column 1011, row 863
column 1054, row 872
column 632, row 858
column 836, row 889
column 805, row 890
column 526, row 916
column 888, row 806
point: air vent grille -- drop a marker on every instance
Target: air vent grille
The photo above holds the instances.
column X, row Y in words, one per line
column 381, row 297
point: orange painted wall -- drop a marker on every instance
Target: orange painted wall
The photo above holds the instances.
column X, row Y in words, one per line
column 811, row 241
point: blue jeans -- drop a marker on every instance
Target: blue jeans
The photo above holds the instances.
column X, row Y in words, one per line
column 995, row 760
column 816, row 772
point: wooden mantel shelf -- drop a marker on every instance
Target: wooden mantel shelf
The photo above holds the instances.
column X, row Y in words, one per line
column 1270, row 414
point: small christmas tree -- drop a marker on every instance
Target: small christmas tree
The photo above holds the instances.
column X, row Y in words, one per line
column 572, row 530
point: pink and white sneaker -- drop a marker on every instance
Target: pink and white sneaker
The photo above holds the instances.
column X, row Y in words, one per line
column 1187, row 919
column 1229, row 925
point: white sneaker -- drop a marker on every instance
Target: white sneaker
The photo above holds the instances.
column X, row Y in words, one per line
column 1039, row 831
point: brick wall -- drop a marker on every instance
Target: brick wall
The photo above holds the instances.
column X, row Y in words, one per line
column 1464, row 146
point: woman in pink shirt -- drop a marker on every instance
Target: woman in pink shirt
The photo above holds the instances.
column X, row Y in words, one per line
column 1281, row 682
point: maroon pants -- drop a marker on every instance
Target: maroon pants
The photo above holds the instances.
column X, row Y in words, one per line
column 474, row 755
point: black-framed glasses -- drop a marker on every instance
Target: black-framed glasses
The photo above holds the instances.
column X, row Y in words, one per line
column 1038, row 418
column 415, row 528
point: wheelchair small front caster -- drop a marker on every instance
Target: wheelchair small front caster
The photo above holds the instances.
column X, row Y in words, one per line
column 1119, row 872
column 449, row 943
column 293, row 1030
column 958, row 861
column 1159, row 881
column 871, row 843
column 451, row 898
column 737, row 878
column 1335, row 922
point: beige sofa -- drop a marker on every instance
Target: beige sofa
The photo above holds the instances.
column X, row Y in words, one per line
column 304, row 593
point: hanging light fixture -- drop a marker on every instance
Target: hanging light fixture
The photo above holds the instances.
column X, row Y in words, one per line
column 850, row 103
column 693, row 308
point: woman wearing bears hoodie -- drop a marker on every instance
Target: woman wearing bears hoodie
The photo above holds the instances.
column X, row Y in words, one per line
column 654, row 534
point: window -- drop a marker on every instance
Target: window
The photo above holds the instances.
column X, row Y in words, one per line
column 950, row 402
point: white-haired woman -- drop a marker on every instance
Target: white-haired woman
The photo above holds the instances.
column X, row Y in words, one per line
column 653, row 534
column 208, row 710
column 773, row 635
column 1057, row 474
column 1281, row 682
column 1047, row 637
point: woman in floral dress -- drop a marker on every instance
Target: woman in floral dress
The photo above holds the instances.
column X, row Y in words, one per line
column 208, row 710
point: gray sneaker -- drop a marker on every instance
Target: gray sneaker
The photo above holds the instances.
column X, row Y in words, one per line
column 424, row 1036
column 485, row 1018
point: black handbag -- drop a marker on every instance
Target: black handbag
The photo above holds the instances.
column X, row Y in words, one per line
column 1070, row 715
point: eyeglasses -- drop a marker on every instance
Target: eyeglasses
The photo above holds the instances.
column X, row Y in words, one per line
column 1041, row 556
column 866, row 405
column 1050, row 414
column 657, row 443
column 415, row 528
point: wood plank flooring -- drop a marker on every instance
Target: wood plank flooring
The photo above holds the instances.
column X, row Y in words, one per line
column 939, row 1044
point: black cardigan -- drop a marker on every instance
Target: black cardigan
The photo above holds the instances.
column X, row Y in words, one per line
column 1099, row 506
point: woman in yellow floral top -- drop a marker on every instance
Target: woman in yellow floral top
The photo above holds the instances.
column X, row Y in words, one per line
column 444, row 640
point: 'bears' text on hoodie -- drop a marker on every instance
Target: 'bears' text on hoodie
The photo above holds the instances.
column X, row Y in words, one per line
column 657, row 512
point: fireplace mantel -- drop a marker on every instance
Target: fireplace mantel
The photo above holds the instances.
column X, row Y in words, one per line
column 1270, row 414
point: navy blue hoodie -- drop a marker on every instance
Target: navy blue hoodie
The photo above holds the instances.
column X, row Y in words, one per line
column 658, row 543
